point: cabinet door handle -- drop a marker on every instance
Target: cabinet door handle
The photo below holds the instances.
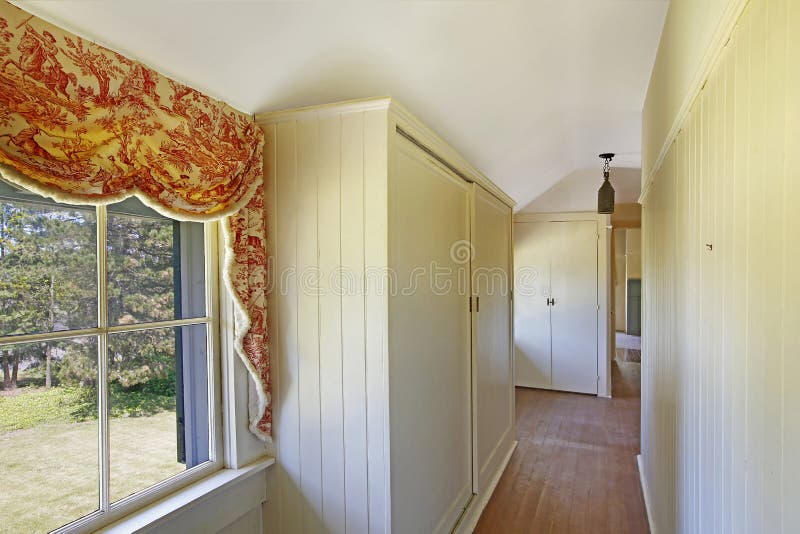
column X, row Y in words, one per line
column 549, row 301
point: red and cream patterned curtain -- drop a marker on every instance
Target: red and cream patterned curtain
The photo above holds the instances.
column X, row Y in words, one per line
column 82, row 124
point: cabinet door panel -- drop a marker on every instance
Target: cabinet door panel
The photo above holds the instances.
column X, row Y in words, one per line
column 491, row 282
column 429, row 344
column 532, row 350
column 573, row 279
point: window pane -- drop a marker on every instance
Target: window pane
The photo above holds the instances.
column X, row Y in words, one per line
column 156, row 266
column 48, row 435
column 48, row 264
column 155, row 433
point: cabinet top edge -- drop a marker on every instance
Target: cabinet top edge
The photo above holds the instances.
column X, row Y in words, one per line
column 331, row 108
column 402, row 117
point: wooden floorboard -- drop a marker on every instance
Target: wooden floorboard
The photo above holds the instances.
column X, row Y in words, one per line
column 574, row 470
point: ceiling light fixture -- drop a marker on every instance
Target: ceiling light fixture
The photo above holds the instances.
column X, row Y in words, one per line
column 605, row 196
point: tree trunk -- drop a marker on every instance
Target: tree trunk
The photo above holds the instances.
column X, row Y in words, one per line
column 48, row 356
column 48, row 351
column 6, row 371
column 2, row 233
column 14, row 371
column 3, row 354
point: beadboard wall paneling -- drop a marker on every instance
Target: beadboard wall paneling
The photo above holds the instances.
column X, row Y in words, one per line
column 721, row 339
column 317, row 166
column 694, row 33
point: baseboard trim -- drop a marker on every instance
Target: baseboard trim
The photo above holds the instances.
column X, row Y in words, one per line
column 648, row 508
column 470, row 518
column 494, row 457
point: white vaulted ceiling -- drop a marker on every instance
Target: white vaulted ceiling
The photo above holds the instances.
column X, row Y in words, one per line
column 530, row 91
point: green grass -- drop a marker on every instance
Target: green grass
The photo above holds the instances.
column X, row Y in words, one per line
column 49, row 448
column 50, row 472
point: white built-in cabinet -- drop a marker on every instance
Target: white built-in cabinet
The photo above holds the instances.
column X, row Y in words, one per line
column 560, row 320
column 391, row 318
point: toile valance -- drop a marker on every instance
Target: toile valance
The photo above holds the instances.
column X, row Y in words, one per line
column 83, row 124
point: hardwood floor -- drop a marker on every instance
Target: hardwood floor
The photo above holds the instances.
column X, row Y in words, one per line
column 574, row 469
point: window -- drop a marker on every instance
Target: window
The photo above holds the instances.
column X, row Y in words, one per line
column 107, row 345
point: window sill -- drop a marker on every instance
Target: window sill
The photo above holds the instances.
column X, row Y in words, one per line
column 158, row 515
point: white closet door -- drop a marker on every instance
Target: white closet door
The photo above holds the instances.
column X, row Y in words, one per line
column 491, row 272
column 430, row 360
column 532, row 348
column 573, row 279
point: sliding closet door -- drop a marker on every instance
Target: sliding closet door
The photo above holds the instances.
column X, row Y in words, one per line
column 429, row 343
column 491, row 285
column 532, row 367
column 573, row 315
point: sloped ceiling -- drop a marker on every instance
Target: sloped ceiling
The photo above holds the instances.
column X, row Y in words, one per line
column 577, row 191
column 530, row 91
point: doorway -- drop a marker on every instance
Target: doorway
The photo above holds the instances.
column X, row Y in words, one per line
column 627, row 284
column 634, row 307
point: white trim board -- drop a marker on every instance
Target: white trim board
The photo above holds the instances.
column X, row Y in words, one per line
column 226, row 485
column 646, row 494
column 470, row 518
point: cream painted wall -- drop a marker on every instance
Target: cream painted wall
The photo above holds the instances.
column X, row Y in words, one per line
column 720, row 369
column 688, row 34
column 627, row 215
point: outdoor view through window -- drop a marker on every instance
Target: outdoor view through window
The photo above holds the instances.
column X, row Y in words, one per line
column 105, row 378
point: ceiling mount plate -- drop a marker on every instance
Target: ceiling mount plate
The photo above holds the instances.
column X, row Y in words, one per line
column 607, row 155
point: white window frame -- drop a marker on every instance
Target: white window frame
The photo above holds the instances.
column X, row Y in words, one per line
column 219, row 455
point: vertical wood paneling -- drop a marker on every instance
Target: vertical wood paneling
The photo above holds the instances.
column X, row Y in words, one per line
column 717, row 368
column 319, row 312
column 721, row 324
column 739, row 355
column 287, row 430
column 727, row 240
column 353, row 320
column 790, row 311
column 330, row 324
column 377, row 315
column 756, row 271
column 308, row 344
column 774, row 170
column 271, row 507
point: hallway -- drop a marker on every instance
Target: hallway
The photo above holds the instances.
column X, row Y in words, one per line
column 574, row 469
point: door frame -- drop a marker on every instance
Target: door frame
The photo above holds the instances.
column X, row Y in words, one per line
column 605, row 325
